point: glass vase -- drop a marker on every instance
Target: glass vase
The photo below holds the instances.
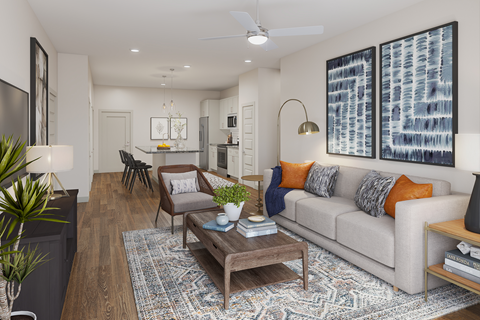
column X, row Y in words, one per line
column 179, row 143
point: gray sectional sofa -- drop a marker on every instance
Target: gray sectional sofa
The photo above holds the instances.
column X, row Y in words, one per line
column 391, row 249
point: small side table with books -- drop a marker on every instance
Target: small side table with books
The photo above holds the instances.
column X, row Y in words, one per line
column 453, row 229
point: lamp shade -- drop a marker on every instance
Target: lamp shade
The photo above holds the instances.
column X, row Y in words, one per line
column 308, row 127
column 56, row 158
column 467, row 152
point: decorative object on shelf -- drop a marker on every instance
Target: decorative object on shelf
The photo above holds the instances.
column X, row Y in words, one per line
column 51, row 159
column 467, row 157
column 232, row 199
column 222, row 219
column 38, row 94
column 177, row 124
column 351, row 104
column 27, row 203
column 164, row 107
column 172, row 104
column 419, row 89
column 158, row 127
column 307, row 127
column 256, row 218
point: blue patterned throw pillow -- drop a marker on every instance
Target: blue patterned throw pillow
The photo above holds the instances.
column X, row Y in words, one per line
column 184, row 186
column 372, row 193
column 321, row 180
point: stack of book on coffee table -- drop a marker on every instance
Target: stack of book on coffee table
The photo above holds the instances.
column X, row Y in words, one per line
column 462, row 265
column 250, row 229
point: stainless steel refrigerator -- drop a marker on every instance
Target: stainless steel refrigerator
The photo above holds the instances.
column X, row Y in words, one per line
column 203, row 142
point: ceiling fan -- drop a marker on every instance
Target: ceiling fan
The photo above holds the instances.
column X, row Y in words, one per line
column 258, row 35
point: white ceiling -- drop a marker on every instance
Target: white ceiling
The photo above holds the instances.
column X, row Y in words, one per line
column 167, row 32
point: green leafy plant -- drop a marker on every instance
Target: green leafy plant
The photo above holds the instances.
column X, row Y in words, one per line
column 27, row 202
column 234, row 194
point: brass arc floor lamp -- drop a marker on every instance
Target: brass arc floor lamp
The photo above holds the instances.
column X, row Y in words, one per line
column 308, row 127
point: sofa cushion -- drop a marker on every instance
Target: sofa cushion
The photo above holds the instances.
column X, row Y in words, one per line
column 294, row 174
column 370, row 236
column 372, row 193
column 405, row 189
column 320, row 214
column 321, row 180
column 291, row 201
column 348, row 180
column 192, row 201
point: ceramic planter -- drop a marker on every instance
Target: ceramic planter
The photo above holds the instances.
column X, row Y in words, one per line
column 232, row 211
column 24, row 313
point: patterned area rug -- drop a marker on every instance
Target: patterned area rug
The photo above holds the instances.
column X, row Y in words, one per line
column 217, row 182
column 168, row 283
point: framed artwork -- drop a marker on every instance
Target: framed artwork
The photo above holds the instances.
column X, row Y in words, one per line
column 351, row 104
column 158, row 128
column 419, row 100
column 38, row 94
column 183, row 122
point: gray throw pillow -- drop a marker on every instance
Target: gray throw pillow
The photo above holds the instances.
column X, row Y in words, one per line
column 167, row 177
column 321, row 180
column 372, row 193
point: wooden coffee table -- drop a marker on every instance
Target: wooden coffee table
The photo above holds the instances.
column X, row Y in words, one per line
column 236, row 263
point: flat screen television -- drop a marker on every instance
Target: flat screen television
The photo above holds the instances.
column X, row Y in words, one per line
column 13, row 119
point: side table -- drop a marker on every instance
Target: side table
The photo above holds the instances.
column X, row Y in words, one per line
column 453, row 229
column 259, row 204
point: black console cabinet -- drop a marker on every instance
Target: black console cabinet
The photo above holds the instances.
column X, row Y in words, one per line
column 43, row 292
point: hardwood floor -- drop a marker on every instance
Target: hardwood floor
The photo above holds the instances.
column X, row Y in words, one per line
column 100, row 286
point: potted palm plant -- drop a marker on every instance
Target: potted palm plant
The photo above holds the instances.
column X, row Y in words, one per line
column 232, row 199
column 27, row 202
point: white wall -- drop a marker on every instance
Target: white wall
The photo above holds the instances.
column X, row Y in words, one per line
column 146, row 103
column 73, row 115
column 303, row 77
column 17, row 24
column 230, row 92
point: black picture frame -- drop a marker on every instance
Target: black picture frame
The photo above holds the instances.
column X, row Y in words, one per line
column 355, row 134
column 173, row 134
column 157, row 133
column 38, row 94
column 413, row 129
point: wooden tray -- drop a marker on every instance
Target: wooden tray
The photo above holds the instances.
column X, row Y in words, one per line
column 163, row 148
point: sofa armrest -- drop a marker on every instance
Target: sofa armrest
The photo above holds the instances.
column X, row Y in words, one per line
column 410, row 218
column 267, row 178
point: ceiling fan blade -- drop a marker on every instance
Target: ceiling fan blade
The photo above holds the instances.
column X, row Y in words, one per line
column 300, row 31
column 223, row 37
column 269, row 45
column 245, row 20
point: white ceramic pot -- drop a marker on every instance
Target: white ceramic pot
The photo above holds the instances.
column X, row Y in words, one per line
column 24, row 313
column 232, row 211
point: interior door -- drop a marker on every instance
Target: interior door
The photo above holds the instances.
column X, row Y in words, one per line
column 115, row 135
column 248, row 143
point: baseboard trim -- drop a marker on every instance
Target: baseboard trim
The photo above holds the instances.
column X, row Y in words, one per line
column 82, row 199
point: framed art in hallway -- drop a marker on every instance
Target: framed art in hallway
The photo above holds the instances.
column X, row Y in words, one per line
column 158, row 128
column 351, row 104
column 38, row 94
column 418, row 91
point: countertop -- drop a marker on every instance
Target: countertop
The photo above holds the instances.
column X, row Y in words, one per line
column 153, row 149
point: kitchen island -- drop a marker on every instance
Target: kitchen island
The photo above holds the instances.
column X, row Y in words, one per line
column 169, row 157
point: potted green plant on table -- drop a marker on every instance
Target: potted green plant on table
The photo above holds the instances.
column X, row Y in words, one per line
column 26, row 203
column 232, row 199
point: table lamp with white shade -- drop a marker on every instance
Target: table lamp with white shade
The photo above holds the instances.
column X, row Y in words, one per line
column 52, row 159
column 467, row 157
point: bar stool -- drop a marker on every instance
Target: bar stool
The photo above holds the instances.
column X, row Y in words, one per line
column 140, row 169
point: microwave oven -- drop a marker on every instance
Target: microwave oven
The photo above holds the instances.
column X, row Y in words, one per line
column 232, row 121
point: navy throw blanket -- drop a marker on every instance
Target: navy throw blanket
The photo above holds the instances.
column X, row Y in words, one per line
column 275, row 196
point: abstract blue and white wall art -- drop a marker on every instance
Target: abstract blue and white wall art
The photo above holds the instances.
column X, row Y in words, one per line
column 419, row 96
column 351, row 104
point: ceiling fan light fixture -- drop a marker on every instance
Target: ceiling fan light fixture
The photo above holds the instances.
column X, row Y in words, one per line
column 257, row 39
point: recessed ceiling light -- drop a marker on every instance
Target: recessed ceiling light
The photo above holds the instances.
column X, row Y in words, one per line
column 162, row 84
column 248, row 61
column 186, row 66
column 135, row 50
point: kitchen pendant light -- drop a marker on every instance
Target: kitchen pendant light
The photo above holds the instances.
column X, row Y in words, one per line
column 172, row 104
column 164, row 107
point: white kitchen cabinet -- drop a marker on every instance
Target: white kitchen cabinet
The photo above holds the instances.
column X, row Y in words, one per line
column 233, row 105
column 223, row 114
column 232, row 164
column 212, row 158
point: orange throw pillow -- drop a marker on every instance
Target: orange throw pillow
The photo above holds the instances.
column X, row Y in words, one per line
column 294, row 175
column 406, row 189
